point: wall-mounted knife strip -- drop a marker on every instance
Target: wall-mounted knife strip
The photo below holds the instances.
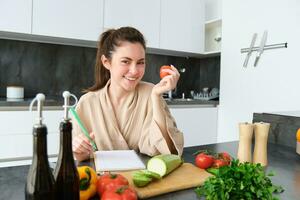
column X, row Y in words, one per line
column 267, row 47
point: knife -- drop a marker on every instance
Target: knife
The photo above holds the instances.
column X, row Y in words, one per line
column 250, row 49
column 261, row 47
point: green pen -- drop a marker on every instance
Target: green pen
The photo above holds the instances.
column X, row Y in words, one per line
column 83, row 128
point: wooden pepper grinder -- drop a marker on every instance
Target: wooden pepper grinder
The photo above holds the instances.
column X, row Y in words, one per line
column 244, row 151
column 261, row 131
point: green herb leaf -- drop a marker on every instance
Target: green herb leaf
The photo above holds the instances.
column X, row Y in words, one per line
column 238, row 181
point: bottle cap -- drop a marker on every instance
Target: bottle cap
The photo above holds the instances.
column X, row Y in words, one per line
column 66, row 95
column 40, row 98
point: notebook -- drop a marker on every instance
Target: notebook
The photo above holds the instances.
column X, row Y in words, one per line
column 117, row 160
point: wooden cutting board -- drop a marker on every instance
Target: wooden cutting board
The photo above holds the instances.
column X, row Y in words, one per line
column 184, row 177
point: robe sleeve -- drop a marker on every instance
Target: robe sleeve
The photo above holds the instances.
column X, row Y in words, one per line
column 80, row 111
column 152, row 141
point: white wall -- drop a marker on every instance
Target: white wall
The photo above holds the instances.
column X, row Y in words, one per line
column 274, row 84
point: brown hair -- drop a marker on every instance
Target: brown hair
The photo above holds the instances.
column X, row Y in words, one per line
column 107, row 44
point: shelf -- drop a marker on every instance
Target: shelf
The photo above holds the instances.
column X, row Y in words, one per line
column 213, row 23
column 213, row 36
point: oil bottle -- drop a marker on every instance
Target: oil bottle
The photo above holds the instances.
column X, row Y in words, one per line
column 40, row 180
column 65, row 173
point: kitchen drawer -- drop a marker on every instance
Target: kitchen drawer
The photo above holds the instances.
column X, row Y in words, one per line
column 20, row 146
column 21, row 122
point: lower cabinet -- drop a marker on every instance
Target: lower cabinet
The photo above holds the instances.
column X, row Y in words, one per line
column 199, row 125
column 16, row 140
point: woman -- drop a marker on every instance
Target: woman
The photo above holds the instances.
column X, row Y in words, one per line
column 119, row 110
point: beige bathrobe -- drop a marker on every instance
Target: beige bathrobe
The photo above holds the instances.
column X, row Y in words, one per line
column 135, row 129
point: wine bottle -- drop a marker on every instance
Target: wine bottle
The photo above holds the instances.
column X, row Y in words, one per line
column 40, row 180
column 66, row 174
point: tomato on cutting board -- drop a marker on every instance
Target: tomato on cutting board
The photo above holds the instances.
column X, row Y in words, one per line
column 163, row 73
column 119, row 193
column 109, row 181
column 204, row 160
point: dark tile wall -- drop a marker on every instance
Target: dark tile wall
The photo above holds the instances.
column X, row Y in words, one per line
column 51, row 68
column 283, row 128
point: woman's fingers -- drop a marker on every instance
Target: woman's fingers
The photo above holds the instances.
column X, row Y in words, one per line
column 81, row 144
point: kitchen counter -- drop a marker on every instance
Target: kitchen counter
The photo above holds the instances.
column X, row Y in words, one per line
column 282, row 159
column 55, row 103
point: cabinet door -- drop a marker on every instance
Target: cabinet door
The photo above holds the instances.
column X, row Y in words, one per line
column 199, row 125
column 15, row 15
column 16, row 133
column 68, row 19
column 143, row 15
column 182, row 25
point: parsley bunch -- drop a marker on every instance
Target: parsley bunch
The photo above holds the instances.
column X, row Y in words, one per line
column 246, row 181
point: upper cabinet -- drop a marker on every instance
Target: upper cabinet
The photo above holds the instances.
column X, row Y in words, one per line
column 15, row 15
column 68, row 19
column 143, row 15
column 182, row 25
column 173, row 27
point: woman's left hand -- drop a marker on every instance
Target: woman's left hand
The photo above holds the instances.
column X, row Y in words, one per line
column 168, row 82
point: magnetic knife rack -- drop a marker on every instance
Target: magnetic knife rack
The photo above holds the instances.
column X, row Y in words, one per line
column 266, row 47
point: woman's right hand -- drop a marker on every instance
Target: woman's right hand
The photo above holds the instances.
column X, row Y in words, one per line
column 82, row 147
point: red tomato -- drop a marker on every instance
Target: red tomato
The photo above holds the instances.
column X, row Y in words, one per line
column 119, row 193
column 225, row 156
column 204, row 161
column 109, row 181
column 220, row 163
column 162, row 73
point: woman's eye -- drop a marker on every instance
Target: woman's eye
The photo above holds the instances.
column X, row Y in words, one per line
column 141, row 63
column 125, row 61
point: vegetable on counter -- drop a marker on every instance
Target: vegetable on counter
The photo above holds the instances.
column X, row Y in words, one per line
column 142, row 178
column 157, row 167
column 238, row 181
column 87, row 182
column 164, row 164
column 119, row 193
column 205, row 159
column 109, row 181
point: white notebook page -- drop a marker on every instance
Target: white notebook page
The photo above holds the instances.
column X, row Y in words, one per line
column 117, row 160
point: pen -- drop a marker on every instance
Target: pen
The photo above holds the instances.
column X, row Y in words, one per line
column 83, row 128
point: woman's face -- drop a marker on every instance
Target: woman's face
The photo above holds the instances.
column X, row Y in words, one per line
column 127, row 65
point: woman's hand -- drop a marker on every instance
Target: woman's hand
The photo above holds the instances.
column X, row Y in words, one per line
column 168, row 82
column 81, row 146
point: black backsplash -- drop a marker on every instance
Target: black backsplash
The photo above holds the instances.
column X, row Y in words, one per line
column 52, row 68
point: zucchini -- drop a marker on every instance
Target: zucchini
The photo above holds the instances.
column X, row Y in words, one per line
column 140, row 179
column 164, row 164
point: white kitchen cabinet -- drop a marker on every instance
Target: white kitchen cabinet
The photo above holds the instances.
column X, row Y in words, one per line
column 182, row 25
column 199, row 125
column 15, row 16
column 16, row 140
column 68, row 19
column 143, row 15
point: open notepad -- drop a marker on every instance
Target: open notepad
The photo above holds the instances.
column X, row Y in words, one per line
column 117, row 160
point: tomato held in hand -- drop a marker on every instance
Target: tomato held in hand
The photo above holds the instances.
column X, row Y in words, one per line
column 204, row 161
column 163, row 73
column 119, row 193
column 109, row 181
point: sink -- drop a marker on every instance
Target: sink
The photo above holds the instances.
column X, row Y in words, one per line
column 179, row 99
column 186, row 99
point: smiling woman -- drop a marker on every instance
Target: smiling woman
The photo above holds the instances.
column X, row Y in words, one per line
column 119, row 110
